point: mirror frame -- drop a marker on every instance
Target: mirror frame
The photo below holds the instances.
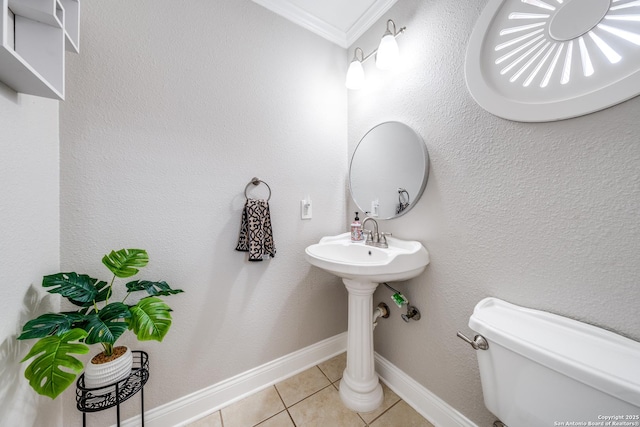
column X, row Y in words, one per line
column 425, row 176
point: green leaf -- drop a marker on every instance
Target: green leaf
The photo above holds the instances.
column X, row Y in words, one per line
column 152, row 288
column 103, row 293
column 80, row 289
column 51, row 354
column 123, row 263
column 150, row 319
column 50, row 324
column 104, row 325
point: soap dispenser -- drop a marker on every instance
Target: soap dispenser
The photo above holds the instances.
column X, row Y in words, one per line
column 356, row 230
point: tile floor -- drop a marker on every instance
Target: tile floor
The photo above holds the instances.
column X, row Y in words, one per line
column 311, row 399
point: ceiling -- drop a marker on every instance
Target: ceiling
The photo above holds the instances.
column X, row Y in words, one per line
column 338, row 21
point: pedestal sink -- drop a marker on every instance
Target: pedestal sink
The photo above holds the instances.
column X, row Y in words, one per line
column 362, row 268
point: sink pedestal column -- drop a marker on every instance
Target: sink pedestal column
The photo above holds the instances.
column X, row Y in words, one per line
column 360, row 389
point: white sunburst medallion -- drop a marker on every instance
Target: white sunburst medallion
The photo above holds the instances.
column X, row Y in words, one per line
column 545, row 60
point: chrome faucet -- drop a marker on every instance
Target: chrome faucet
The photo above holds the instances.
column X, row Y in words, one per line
column 372, row 235
column 375, row 238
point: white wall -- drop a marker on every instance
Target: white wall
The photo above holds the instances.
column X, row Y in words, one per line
column 29, row 226
column 171, row 109
column 541, row 215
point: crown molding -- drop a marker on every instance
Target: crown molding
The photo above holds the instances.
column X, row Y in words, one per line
column 325, row 29
column 367, row 19
column 306, row 20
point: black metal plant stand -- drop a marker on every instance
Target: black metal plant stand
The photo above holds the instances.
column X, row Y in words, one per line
column 108, row 396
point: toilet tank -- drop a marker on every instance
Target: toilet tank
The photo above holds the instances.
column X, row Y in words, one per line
column 542, row 369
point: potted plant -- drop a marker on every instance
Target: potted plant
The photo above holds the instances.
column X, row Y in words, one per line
column 97, row 320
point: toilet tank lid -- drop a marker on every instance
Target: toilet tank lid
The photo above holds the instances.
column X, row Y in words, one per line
column 602, row 359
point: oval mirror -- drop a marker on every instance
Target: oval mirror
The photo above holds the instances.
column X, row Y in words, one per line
column 389, row 170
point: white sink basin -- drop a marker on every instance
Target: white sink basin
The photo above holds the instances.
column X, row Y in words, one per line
column 402, row 260
column 362, row 268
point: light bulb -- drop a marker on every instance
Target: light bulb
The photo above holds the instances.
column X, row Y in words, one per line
column 355, row 75
column 388, row 52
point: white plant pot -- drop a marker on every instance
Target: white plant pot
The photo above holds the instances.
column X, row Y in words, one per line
column 100, row 375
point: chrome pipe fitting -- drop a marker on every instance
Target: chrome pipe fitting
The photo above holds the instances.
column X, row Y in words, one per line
column 412, row 313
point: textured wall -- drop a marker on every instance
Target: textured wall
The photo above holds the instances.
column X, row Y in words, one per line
column 172, row 108
column 541, row 215
column 29, row 230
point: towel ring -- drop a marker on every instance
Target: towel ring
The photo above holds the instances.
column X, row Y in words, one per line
column 256, row 181
column 401, row 204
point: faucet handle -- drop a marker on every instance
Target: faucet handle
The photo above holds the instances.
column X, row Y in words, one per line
column 384, row 235
column 367, row 233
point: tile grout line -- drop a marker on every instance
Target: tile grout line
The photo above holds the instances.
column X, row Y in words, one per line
column 272, row 416
column 325, row 375
column 285, row 406
column 306, row 397
column 312, row 394
column 291, row 418
column 361, row 419
column 385, row 411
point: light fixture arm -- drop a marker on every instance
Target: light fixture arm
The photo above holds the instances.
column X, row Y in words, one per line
column 394, row 33
column 355, row 55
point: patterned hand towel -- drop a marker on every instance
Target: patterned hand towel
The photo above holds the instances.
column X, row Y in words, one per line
column 256, row 234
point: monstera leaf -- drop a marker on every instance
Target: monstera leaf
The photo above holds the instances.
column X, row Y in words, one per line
column 51, row 354
column 150, row 319
column 152, row 288
column 80, row 289
column 50, row 324
column 123, row 263
column 104, row 326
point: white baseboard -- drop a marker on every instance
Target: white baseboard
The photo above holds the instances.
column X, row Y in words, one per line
column 201, row 403
column 427, row 404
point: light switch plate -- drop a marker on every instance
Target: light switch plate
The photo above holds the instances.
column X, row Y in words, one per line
column 305, row 209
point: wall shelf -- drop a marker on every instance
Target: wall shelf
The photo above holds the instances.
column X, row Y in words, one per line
column 34, row 37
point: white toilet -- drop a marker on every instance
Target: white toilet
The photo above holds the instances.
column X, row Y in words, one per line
column 542, row 369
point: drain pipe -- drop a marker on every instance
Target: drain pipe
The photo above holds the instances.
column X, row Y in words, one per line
column 381, row 311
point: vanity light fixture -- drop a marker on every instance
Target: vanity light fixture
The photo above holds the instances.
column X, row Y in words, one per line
column 355, row 73
column 388, row 52
column 387, row 56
